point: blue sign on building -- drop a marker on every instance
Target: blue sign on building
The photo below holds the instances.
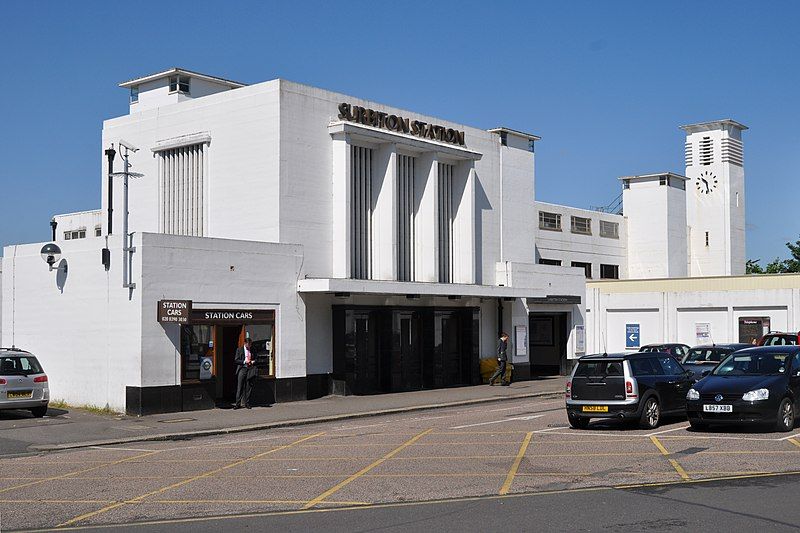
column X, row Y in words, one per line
column 631, row 335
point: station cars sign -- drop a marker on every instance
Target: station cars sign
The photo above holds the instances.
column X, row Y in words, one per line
column 398, row 124
column 174, row 311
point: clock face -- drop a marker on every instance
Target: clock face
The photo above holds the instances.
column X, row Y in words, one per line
column 706, row 182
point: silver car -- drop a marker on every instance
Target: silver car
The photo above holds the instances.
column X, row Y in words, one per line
column 23, row 383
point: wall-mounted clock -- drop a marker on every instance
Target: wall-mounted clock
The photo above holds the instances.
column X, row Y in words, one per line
column 706, row 182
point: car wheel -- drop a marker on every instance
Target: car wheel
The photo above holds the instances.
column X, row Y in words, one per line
column 651, row 414
column 40, row 411
column 697, row 425
column 785, row 416
column 578, row 422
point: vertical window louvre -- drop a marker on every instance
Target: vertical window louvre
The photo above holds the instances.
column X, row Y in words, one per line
column 405, row 217
column 181, row 190
column 361, row 212
column 445, row 223
column 706, row 151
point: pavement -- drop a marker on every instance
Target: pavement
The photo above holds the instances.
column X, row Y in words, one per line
column 505, row 459
column 60, row 429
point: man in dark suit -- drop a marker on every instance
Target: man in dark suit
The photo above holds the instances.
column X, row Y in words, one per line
column 502, row 361
column 245, row 372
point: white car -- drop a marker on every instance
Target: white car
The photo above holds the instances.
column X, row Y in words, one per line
column 23, row 383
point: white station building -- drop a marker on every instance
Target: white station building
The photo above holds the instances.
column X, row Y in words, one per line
column 364, row 249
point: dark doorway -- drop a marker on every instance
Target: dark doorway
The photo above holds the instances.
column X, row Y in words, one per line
column 403, row 349
column 229, row 340
column 547, row 340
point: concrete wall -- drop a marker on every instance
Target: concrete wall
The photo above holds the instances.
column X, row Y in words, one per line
column 82, row 325
column 567, row 246
column 668, row 310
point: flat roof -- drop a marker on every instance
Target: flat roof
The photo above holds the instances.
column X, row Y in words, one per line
column 712, row 124
column 177, row 70
column 378, row 287
column 656, row 175
column 529, row 136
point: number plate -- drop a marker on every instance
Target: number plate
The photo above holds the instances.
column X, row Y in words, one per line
column 595, row 409
column 717, row 408
column 19, row 394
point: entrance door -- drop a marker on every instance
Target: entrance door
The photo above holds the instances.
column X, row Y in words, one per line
column 547, row 340
column 229, row 339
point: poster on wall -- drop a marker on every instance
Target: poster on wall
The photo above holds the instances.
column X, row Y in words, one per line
column 702, row 332
column 520, row 344
column 580, row 339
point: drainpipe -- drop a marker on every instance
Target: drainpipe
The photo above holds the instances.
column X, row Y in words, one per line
column 499, row 316
column 110, row 153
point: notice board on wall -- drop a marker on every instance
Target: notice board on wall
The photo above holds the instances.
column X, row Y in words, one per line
column 520, row 344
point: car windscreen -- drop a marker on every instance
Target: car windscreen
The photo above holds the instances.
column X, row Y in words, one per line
column 705, row 355
column 753, row 364
column 599, row 368
column 780, row 340
column 19, row 365
column 650, row 349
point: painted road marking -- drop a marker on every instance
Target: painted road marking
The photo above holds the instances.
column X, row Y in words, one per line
column 678, row 468
column 138, row 499
column 366, row 469
column 66, row 476
column 795, row 442
column 665, row 431
column 530, row 417
column 514, row 467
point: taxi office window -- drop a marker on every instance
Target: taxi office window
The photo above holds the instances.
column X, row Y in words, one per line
column 263, row 345
column 195, row 344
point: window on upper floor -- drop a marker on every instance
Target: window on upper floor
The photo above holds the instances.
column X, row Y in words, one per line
column 609, row 229
column 587, row 267
column 134, row 94
column 582, row 225
column 553, row 262
column 551, row 221
column 98, row 231
column 75, row 234
column 179, row 84
column 609, row 271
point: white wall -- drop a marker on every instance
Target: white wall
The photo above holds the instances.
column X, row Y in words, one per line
column 567, row 246
column 86, row 220
column 82, row 326
column 669, row 310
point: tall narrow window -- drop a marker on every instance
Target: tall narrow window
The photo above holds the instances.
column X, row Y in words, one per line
column 361, row 212
column 706, row 151
column 706, row 238
column 134, row 94
column 181, row 190
column 445, row 223
column 405, row 217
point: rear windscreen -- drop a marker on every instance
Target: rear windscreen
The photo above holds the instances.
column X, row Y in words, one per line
column 599, row 368
column 19, row 366
column 706, row 355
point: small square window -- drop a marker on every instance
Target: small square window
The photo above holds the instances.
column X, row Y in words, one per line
column 587, row 267
column 179, row 84
column 67, row 235
column 551, row 221
column 82, row 234
column 609, row 271
column 98, row 231
column 582, row 225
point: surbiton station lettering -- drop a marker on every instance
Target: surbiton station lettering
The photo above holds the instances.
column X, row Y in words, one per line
column 386, row 121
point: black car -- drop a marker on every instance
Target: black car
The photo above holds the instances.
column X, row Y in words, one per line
column 634, row 386
column 675, row 349
column 703, row 359
column 756, row 385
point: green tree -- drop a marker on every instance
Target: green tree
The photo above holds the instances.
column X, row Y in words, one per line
column 777, row 265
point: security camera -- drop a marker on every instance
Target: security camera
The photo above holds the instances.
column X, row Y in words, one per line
column 128, row 145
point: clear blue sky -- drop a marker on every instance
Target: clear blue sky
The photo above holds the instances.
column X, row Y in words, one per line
column 606, row 84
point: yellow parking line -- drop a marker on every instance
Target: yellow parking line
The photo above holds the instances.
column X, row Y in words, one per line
column 181, row 483
column 366, row 469
column 678, row 468
column 514, row 467
column 64, row 476
column 795, row 442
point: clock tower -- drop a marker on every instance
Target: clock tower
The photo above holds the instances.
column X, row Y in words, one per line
column 715, row 198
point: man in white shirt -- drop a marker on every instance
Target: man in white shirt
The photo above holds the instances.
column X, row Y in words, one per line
column 244, row 363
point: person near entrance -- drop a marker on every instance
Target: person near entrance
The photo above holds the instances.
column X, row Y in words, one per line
column 245, row 374
column 502, row 361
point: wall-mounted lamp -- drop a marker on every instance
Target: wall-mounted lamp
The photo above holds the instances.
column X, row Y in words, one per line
column 51, row 253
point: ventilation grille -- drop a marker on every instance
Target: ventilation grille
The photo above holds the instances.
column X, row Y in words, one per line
column 732, row 151
column 181, row 190
column 361, row 211
column 706, row 151
column 445, row 223
column 687, row 150
column 405, row 217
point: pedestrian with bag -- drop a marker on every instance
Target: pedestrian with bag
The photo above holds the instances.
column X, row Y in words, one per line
column 502, row 361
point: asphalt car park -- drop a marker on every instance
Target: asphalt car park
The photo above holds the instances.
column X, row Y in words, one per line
column 498, row 450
